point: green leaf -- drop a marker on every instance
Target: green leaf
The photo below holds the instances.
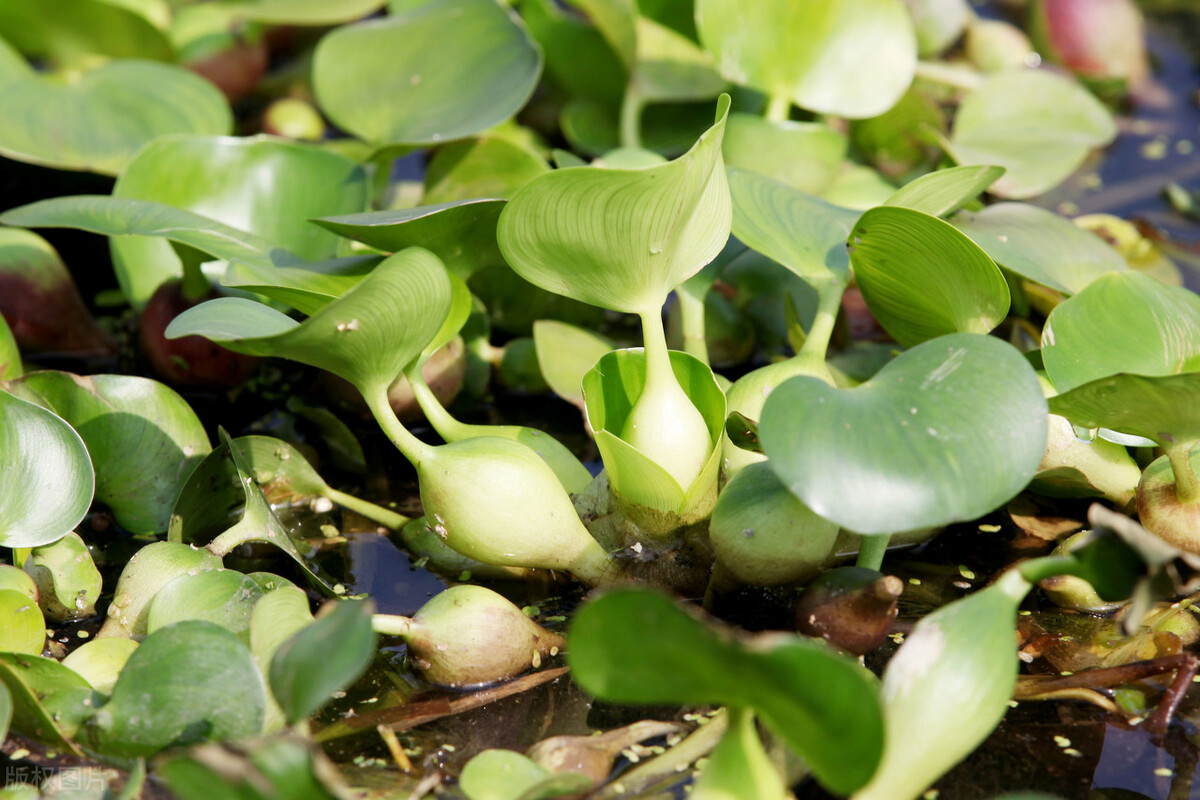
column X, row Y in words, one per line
column 484, row 167
column 97, row 122
column 81, row 28
column 304, row 12
column 1122, row 322
column 275, row 618
column 508, row 775
column 67, row 579
column 621, row 239
column 853, row 58
column 739, row 766
column 308, row 288
column 804, row 155
column 45, row 474
column 6, row 711
column 323, row 658
column 290, row 766
column 670, row 67
column 1160, row 408
column 24, row 628
column 114, row 413
column 265, row 186
column 947, row 431
column 636, row 646
column 945, row 191
column 224, row 597
column 922, row 278
column 577, row 56
column 1037, row 125
column 461, row 233
column 611, row 388
column 31, row 680
column 367, row 336
column 399, row 80
column 801, row 232
column 10, row 356
column 565, row 353
column 1040, row 245
column 191, row 682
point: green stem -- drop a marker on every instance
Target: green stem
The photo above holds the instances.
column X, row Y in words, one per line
column 1187, row 486
column 691, row 310
column 194, row 286
column 409, row 446
column 658, row 358
column 389, row 519
column 954, row 77
column 779, row 107
column 631, row 118
column 391, row 624
column 829, row 302
column 871, row 550
column 447, row 426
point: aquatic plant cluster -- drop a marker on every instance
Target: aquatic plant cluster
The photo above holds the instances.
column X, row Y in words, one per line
column 842, row 181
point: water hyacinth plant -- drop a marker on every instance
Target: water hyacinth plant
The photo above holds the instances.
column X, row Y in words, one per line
column 885, row 485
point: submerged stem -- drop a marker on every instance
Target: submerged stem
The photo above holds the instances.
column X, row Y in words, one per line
column 409, row 446
column 367, row 509
column 1187, row 486
column 391, row 624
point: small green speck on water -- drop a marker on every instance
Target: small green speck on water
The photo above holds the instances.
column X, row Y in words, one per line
column 1071, row 751
column 1164, row 772
column 966, row 573
column 529, row 611
column 990, row 528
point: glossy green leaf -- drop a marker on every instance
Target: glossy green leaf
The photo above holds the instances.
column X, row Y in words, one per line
column 97, row 122
column 851, row 58
column 947, row 687
column 739, row 765
column 804, row 155
column 1040, row 245
column 224, row 597
column 1160, row 408
column 307, row 289
column 10, row 356
column 275, row 618
column 31, row 680
column 67, row 579
column 100, row 660
column 508, row 775
column 24, row 628
column 1036, row 124
column 397, row 79
column 265, row 186
column 922, row 278
column 191, row 682
column 947, row 431
column 611, row 388
column 945, row 191
column 149, row 570
column 461, row 233
column 484, row 167
column 323, row 658
column 578, row 58
column 45, row 474
column 637, row 646
column 304, row 12
column 81, row 28
column 621, row 239
column 367, row 336
column 1122, row 322
column 565, row 353
column 114, row 413
column 803, row 233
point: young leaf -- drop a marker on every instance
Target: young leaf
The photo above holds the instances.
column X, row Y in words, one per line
column 322, row 658
column 1040, row 245
column 435, row 92
column 638, row 646
column 45, row 475
column 921, row 278
column 853, row 58
column 945, row 191
column 947, row 431
column 621, row 239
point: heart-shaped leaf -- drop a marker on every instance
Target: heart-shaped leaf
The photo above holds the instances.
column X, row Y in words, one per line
column 322, row 658
column 1122, row 322
column 804, row 155
column 461, row 233
column 1040, row 245
column 113, row 413
column 922, row 278
column 262, row 185
column 946, row 190
column 367, row 336
column 224, row 597
column 1160, row 408
column 396, row 80
column 621, row 239
column 947, row 431
column 191, row 682
column 1037, row 125
column 853, row 58
column 45, row 474
column 801, row 232
column 824, row 705
column 97, row 122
